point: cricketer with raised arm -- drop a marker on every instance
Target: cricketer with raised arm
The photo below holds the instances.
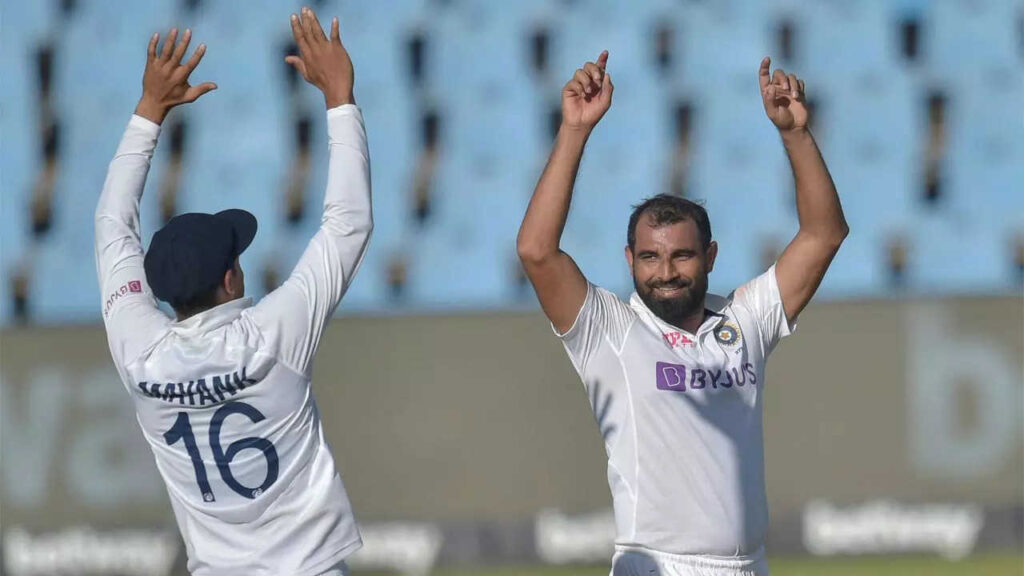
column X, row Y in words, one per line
column 223, row 392
column 681, row 372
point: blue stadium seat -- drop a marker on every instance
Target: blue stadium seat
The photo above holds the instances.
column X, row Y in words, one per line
column 21, row 147
column 981, row 210
column 964, row 40
column 495, row 113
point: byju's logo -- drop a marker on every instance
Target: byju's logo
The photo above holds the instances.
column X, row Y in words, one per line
column 130, row 287
column 679, row 377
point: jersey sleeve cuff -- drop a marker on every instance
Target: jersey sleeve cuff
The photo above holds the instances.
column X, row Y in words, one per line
column 146, row 125
column 345, row 126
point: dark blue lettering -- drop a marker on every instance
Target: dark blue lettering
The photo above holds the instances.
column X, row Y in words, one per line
column 224, row 385
column 219, row 393
column 727, row 382
column 736, row 377
column 713, row 375
column 694, row 375
column 749, row 369
column 204, row 393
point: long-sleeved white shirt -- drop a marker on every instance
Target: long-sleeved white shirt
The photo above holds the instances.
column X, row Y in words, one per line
column 224, row 398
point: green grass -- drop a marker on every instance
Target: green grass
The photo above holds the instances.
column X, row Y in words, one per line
column 988, row 565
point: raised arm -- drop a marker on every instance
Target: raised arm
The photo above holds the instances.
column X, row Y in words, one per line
column 297, row 312
column 128, row 304
column 803, row 263
column 560, row 286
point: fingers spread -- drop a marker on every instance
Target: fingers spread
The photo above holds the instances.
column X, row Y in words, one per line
column 307, row 26
column 300, row 34
column 151, row 49
column 169, row 44
column 182, row 47
column 317, row 29
column 297, row 63
column 196, row 57
column 763, row 73
column 196, row 91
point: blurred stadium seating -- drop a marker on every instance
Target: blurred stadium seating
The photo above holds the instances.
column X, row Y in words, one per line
column 459, row 97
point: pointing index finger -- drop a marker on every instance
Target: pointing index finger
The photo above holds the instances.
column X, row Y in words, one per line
column 763, row 76
column 602, row 60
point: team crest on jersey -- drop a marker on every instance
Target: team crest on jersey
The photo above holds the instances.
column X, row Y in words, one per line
column 727, row 333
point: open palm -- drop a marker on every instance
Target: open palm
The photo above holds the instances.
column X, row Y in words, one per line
column 165, row 81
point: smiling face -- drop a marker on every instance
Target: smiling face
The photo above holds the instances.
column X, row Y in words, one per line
column 670, row 269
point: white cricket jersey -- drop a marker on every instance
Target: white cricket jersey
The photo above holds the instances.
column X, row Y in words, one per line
column 224, row 398
column 680, row 414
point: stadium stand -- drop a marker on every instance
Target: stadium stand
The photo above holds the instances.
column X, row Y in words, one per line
column 459, row 98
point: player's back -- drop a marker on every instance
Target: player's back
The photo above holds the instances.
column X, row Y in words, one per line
column 237, row 438
column 223, row 397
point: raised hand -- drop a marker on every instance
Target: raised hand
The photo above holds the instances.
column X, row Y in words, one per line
column 165, row 81
column 588, row 95
column 323, row 62
column 783, row 97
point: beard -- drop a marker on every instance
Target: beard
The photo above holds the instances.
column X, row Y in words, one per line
column 675, row 309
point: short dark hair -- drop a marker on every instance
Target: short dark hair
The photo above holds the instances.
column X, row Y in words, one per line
column 667, row 209
column 204, row 301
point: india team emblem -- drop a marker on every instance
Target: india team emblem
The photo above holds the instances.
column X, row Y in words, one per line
column 727, row 333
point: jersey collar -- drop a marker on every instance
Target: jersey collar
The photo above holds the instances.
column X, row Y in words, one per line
column 715, row 307
column 213, row 318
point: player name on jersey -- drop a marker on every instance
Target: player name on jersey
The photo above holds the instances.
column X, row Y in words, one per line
column 201, row 392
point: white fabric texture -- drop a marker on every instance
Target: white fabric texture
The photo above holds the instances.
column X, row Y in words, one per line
column 681, row 416
column 224, row 398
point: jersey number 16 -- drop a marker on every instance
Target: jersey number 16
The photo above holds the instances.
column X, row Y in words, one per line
column 182, row 430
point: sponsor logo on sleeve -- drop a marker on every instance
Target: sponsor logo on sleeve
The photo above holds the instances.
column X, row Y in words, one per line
column 130, row 287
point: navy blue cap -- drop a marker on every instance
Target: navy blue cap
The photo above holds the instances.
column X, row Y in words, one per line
column 189, row 256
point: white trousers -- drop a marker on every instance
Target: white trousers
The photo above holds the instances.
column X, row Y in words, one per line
column 636, row 561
